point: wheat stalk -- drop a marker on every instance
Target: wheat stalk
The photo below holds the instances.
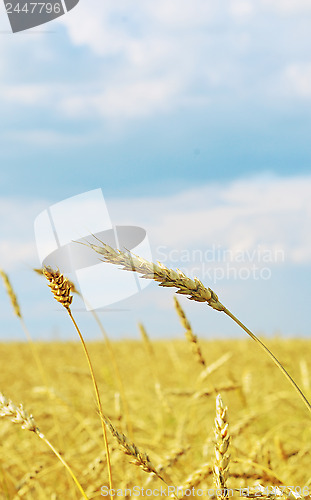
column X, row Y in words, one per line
column 194, row 289
column 18, row 415
column 61, row 288
column 221, row 466
column 110, row 349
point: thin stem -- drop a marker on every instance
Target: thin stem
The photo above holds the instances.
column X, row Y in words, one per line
column 118, row 375
column 98, row 401
column 42, row 436
column 275, row 360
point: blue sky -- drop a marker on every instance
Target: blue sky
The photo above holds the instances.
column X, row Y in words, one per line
column 194, row 120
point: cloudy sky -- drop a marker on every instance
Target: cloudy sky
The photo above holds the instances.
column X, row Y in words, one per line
column 194, row 119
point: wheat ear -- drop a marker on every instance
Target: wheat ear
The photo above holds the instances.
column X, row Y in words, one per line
column 61, row 288
column 139, row 458
column 18, row 415
column 27, row 482
column 158, row 272
column 194, row 289
column 221, row 466
column 153, row 367
column 11, row 293
column 190, row 336
column 18, row 313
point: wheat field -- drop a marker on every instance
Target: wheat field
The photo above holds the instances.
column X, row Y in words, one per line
column 269, row 427
column 172, row 418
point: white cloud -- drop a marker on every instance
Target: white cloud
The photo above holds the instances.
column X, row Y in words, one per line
column 297, row 79
column 257, row 214
column 26, row 94
column 147, row 58
column 47, row 138
column 17, row 245
column 287, row 6
column 267, row 212
column 111, row 28
column 242, row 10
column 123, row 100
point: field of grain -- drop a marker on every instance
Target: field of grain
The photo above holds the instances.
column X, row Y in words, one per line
column 173, row 418
column 170, row 415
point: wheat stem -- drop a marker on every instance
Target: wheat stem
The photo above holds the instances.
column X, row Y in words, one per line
column 97, row 400
column 274, row 358
column 118, row 375
column 110, row 349
column 61, row 288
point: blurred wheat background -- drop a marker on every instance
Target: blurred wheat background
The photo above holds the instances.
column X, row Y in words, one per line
column 171, row 417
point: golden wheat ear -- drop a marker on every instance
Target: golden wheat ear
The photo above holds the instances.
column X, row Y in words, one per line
column 190, row 336
column 222, row 458
column 60, row 286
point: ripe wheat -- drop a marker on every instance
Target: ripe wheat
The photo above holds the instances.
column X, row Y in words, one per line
column 221, row 466
column 194, row 289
